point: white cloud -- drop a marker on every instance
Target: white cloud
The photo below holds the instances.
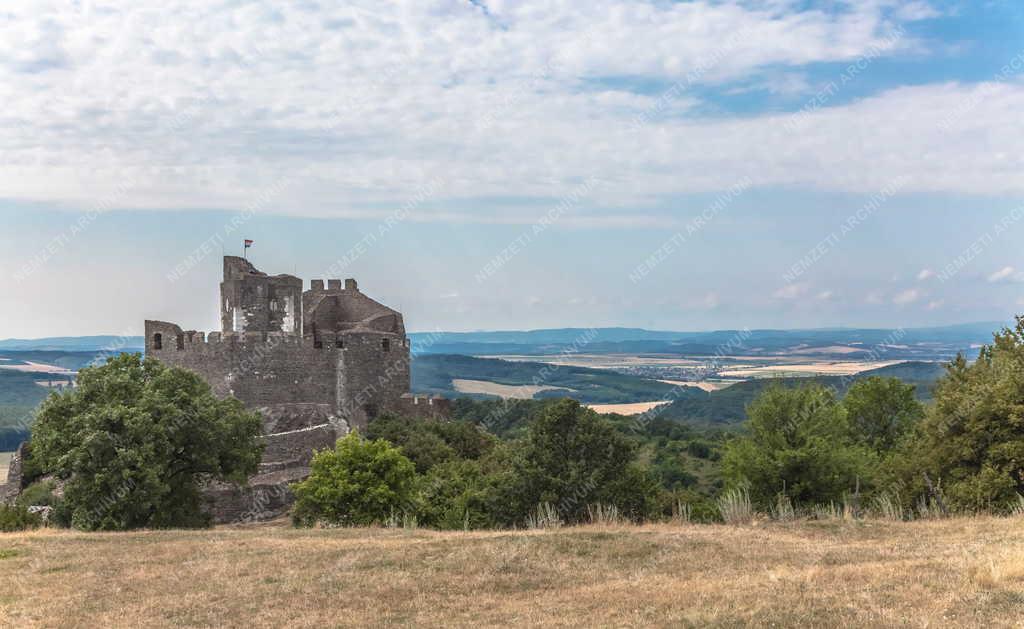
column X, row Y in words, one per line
column 825, row 295
column 908, row 296
column 935, row 304
column 711, row 301
column 791, row 291
column 201, row 105
column 925, row 274
column 1005, row 274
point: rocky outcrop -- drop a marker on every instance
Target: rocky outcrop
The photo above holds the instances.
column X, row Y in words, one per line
column 266, row 497
column 286, row 459
column 10, row 490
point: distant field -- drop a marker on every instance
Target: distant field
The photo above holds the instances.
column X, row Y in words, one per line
column 822, row 368
column 944, row 573
column 626, row 409
column 704, row 385
column 5, row 461
column 515, row 392
column 604, row 361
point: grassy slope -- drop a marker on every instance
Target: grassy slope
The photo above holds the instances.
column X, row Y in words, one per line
column 962, row 572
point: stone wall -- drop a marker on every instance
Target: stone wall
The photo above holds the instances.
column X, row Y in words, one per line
column 288, row 417
column 296, row 448
column 10, row 490
column 266, row 496
column 357, row 374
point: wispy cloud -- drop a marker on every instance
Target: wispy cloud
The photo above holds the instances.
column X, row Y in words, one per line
column 792, row 291
column 906, row 297
column 1006, row 274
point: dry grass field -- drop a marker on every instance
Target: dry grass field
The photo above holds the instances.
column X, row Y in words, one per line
column 816, row 368
column 962, row 572
column 632, row 408
column 512, row 391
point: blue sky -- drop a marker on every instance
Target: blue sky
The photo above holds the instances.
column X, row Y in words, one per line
column 513, row 164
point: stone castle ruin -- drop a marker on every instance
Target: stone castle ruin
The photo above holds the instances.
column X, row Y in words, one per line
column 314, row 363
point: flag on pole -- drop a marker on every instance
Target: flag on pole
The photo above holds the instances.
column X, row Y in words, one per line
column 248, row 243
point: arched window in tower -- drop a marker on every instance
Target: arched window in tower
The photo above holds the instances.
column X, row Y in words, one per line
column 158, row 341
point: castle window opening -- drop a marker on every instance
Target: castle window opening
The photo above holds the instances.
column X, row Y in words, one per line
column 385, row 344
column 339, row 344
column 181, row 341
column 158, row 341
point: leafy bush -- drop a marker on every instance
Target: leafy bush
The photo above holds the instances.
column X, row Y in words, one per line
column 17, row 518
column 972, row 441
column 881, row 412
column 358, row 483
column 799, row 442
column 135, row 439
column 38, row 494
column 457, row 495
column 428, row 442
column 570, row 458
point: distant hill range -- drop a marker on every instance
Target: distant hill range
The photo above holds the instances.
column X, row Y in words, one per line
column 938, row 343
column 76, row 344
column 441, row 359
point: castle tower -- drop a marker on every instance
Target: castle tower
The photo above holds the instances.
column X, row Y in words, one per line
column 252, row 301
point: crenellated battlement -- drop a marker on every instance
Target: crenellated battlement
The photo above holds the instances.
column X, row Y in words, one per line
column 333, row 285
column 168, row 337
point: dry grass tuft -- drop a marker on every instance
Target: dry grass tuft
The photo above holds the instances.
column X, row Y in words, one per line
column 545, row 517
column 1005, row 569
column 1018, row 509
column 605, row 515
column 735, row 507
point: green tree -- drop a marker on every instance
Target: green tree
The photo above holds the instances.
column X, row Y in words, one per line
column 428, row 443
column 135, row 439
column 881, row 411
column 358, row 483
column 798, row 441
column 972, row 441
column 571, row 458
